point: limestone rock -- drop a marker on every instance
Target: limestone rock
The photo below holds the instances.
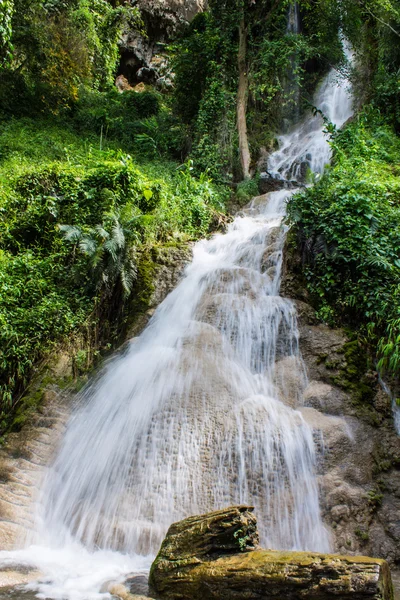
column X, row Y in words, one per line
column 358, row 450
column 208, row 536
column 143, row 57
column 213, row 556
column 181, row 10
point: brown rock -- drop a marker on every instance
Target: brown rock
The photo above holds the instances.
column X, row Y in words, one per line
column 213, row 557
column 221, row 532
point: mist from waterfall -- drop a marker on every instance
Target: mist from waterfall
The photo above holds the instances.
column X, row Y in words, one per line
column 199, row 412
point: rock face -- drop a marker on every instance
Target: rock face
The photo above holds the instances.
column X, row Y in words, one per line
column 23, row 462
column 359, row 458
column 176, row 10
column 142, row 57
column 216, row 556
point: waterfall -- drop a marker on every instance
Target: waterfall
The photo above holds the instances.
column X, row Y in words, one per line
column 192, row 417
column 293, row 25
column 395, row 405
column 199, row 412
column 305, row 148
column 292, row 86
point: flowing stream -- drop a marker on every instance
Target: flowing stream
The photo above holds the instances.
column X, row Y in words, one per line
column 198, row 413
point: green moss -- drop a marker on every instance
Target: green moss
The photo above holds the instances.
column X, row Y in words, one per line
column 362, row 534
column 375, row 498
column 144, row 288
column 354, row 374
column 26, row 409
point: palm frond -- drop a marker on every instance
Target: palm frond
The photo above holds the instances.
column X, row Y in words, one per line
column 71, row 232
column 112, row 248
column 118, row 234
column 101, row 232
column 88, row 246
column 128, row 275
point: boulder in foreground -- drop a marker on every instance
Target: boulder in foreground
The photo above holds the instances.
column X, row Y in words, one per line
column 216, row 556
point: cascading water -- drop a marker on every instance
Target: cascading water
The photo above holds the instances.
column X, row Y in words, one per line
column 190, row 418
column 306, row 146
column 197, row 413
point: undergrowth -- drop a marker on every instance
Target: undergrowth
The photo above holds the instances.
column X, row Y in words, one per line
column 75, row 213
column 348, row 227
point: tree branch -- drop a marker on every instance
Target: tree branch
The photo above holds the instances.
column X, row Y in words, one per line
column 381, row 20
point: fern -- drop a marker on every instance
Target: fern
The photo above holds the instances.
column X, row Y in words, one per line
column 379, row 262
column 71, row 233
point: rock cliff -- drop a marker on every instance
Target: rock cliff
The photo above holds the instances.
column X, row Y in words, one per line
column 143, row 59
column 359, row 465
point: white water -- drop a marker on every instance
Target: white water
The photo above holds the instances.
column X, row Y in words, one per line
column 395, row 406
column 306, row 146
column 396, row 416
column 198, row 413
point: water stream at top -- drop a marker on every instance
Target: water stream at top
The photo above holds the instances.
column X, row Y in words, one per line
column 199, row 412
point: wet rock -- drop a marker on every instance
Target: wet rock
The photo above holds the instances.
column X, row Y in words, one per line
column 324, row 398
column 358, row 449
column 16, row 577
column 268, row 183
column 164, row 268
column 289, row 379
column 214, row 556
column 208, row 536
column 138, row 585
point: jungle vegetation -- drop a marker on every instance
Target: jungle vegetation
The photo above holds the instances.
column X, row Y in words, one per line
column 90, row 178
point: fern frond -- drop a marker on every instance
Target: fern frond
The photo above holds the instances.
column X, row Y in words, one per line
column 71, row 233
column 379, row 262
column 88, row 246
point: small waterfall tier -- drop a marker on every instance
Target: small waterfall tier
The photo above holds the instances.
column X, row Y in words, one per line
column 306, row 147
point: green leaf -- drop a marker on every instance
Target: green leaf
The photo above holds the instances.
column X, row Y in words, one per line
column 148, row 194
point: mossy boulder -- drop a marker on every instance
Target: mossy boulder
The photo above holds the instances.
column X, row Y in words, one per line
column 216, row 556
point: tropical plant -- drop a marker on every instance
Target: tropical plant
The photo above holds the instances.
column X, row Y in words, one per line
column 348, row 229
column 6, row 47
column 110, row 255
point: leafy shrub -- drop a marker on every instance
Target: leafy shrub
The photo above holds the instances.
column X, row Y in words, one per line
column 348, row 226
column 56, row 47
column 246, row 190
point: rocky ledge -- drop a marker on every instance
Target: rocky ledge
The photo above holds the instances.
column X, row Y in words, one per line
column 216, row 556
column 356, row 439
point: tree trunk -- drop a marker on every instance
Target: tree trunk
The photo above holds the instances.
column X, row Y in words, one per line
column 242, row 97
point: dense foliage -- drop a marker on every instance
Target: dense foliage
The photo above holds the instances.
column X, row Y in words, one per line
column 283, row 67
column 90, row 177
column 73, row 222
column 348, row 228
column 52, row 47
